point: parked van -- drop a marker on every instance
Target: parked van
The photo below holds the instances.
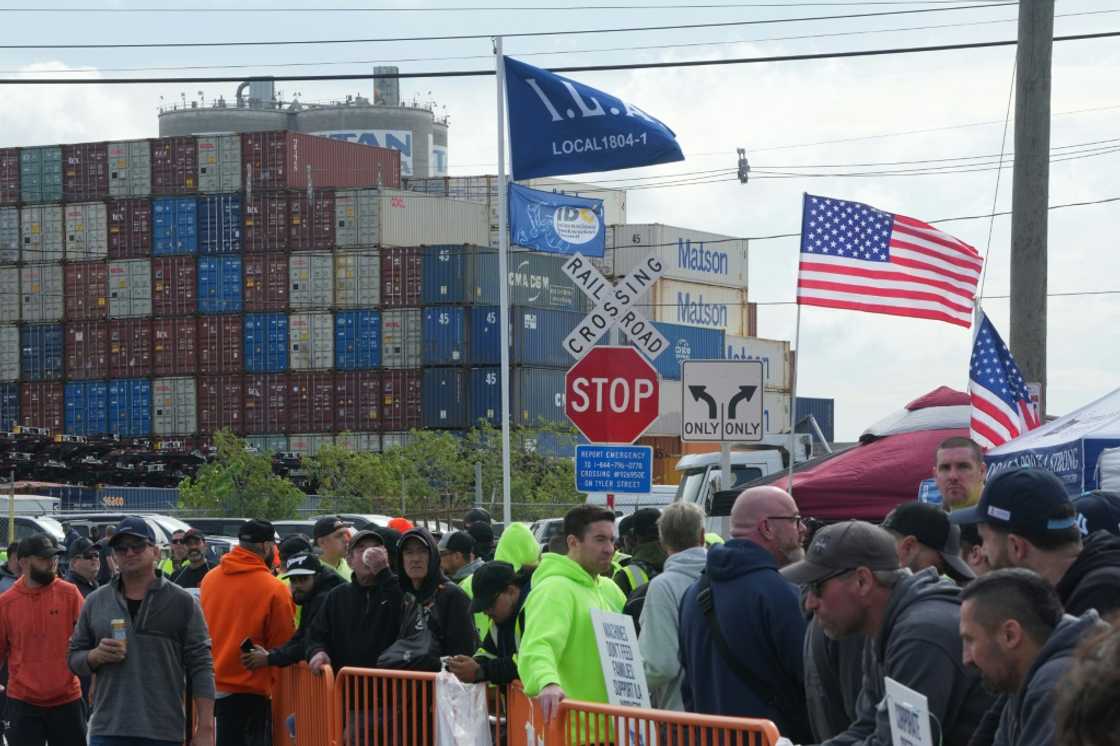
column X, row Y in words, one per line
column 626, row 503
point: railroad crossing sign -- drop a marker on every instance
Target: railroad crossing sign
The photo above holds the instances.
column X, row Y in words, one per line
column 612, row 395
column 722, row 400
column 615, row 306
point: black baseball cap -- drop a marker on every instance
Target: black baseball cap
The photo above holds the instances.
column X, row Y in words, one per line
column 293, row 545
column 1098, row 510
column 476, row 515
column 194, row 533
column 930, row 525
column 642, row 523
column 362, row 536
column 136, row 527
column 302, row 564
column 82, row 547
column 481, row 533
column 458, row 541
column 328, row 525
column 40, row 545
column 256, row 531
column 844, row 546
column 1029, row 502
column 488, row 582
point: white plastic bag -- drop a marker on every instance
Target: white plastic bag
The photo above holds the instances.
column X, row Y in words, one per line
column 461, row 716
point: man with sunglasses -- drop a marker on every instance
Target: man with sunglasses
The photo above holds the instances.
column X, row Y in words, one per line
column 191, row 574
column 178, row 559
column 85, row 562
column 141, row 679
column 854, row 586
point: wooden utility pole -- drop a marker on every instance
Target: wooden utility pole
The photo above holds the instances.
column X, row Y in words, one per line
column 1030, row 191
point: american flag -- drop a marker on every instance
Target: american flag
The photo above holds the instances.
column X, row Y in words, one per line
column 854, row 256
column 1001, row 403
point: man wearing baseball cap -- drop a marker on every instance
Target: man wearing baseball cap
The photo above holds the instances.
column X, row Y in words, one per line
column 1026, row 519
column 332, row 535
column 924, row 537
column 191, row 574
column 853, row 585
column 499, row 593
column 85, row 561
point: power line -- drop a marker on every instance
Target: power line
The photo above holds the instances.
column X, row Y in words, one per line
column 512, row 35
column 483, row 8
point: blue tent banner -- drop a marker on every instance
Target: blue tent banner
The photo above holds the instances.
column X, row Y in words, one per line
column 558, row 126
column 556, row 223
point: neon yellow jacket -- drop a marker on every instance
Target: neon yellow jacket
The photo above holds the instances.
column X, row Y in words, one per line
column 558, row 646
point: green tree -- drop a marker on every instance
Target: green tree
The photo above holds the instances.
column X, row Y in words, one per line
column 240, row 483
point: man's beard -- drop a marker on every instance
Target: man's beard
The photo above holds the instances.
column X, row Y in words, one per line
column 299, row 597
column 195, row 555
column 42, row 577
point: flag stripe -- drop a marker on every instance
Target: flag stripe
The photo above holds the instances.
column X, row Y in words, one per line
column 995, row 430
column 934, row 236
column 953, row 264
column 861, row 295
column 858, row 268
column 998, row 414
column 984, row 436
column 883, row 290
column 1000, row 399
column 904, row 261
column 906, row 310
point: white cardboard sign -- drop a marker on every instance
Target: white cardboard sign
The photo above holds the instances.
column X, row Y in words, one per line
column 909, row 715
column 623, row 670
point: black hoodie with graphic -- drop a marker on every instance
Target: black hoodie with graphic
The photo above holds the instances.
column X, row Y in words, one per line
column 447, row 606
column 1093, row 580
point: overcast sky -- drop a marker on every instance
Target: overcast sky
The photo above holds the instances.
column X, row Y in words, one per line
column 788, row 115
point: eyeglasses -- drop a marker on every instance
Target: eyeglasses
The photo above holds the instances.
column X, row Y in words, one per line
column 796, row 517
column 817, row 586
column 130, row 548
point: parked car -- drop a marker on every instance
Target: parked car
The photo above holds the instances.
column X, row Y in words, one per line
column 290, row 528
column 216, row 525
column 162, row 525
column 360, row 520
column 27, row 525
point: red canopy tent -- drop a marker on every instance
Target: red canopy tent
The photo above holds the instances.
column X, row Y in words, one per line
column 892, row 458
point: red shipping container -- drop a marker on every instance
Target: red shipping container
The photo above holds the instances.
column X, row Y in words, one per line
column 86, row 291
column 220, row 403
column 174, row 165
column 173, row 285
column 280, row 160
column 9, row 175
column 130, row 228
column 265, row 223
column 400, row 399
column 311, row 402
column 174, row 347
column 220, row 347
column 130, row 348
column 266, row 282
column 85, row 172
column 86, row 349
column 40, row 405
column 266, row 404
column 401, row 276
column 357, row 401
column 311, row 221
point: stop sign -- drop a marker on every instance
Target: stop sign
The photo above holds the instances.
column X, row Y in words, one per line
column 612, row 395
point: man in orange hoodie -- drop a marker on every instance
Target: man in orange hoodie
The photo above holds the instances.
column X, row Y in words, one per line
column 243, row 601
column 37, row 617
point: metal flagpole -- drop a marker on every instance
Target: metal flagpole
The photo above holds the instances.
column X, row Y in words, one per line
column 503, row 276
column 793, row 399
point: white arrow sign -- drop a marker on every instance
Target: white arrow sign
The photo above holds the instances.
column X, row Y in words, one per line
column 615, row 307
column 721, row 400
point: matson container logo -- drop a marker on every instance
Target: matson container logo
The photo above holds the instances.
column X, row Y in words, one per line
column 576, row 225
column 698, row 313
column 694, row 257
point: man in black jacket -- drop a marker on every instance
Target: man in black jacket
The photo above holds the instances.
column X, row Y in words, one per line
column 311, row 582
column 360, row 619
column 499, row 593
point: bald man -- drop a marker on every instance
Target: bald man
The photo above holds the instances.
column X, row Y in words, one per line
column 741, row 624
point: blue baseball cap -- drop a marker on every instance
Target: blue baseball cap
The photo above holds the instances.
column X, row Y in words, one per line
column 1029, row 502
column 134, row 526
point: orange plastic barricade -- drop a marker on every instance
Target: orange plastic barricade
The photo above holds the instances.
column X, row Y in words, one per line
column 380, row 707
column 303, row 707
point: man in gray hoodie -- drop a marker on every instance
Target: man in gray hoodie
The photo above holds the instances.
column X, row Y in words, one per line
column 1014, row 631
column 681, row 528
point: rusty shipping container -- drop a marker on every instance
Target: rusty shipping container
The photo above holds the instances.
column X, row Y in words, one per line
column 401, row 399
column 86, row 349
column 281, row 160
column 311, row 402
column 10, row 299
column 220, row 346
column 9, row 175
column 174, row 165
column 175, row 346
column 174, row 285
column 357, row 400
column 401, row 276
column 85, row 171
column 311, row 221
column 266, row 279
column 130, row 348
column 130, row 168
column 130, row 228
column 265, row 223
column 220, row 403
column 266, row 404
column 86, row 291
column 87, row 237
column 41, row 405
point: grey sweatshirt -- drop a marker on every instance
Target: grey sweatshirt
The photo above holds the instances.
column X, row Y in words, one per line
column 658, row 641
column 168, row 643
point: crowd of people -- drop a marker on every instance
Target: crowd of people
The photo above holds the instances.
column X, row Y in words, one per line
column 996, row 607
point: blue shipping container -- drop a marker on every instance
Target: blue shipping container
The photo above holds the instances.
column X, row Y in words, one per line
column 357, row 339
column 41, row 352
column 219, row 224
column 538, row 336
column 130, row 407
column 537, row 394
column 266, row 342
column 87, row 407
column 823, row 410
column 464, row 274
column 449, row 274
column 686, row 343
column 9, row 406
column 444, row 398
column 219, row 284
column 174, row 226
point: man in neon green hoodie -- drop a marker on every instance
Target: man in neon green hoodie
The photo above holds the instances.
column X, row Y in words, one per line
column 559, row 657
